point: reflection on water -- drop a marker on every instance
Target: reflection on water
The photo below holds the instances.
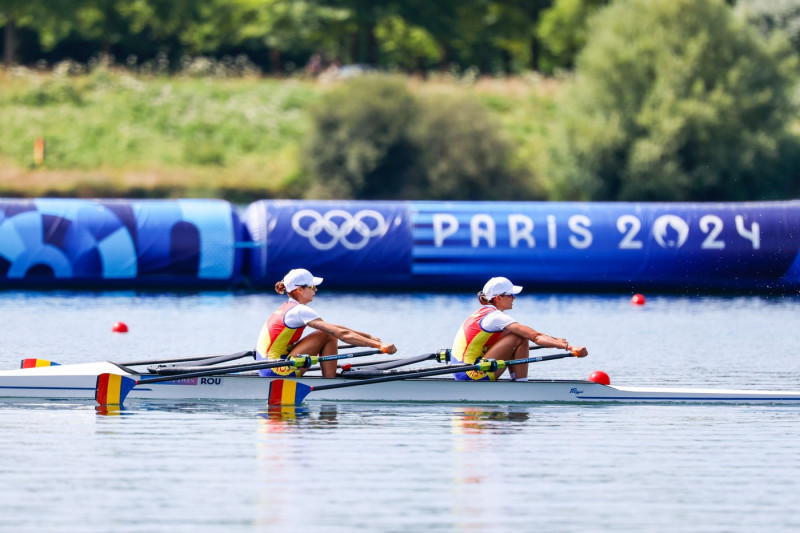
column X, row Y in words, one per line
column 287, row 417
column 109, row 410
column 477, row 419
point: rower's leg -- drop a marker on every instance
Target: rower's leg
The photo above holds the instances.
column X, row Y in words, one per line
column 506, row 348
column 331, row 347
column 520, row 372
column 319, row 343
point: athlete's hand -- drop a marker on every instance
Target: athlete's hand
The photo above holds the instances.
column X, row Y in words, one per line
column 388, row 348
column 579, row 351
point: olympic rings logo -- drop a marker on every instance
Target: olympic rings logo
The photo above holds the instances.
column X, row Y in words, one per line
column 342, row 227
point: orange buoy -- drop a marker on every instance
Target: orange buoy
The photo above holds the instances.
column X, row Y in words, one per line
column 638, row 299
column 598, row 376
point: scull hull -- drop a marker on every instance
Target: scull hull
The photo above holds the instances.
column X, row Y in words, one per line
column 78, row 382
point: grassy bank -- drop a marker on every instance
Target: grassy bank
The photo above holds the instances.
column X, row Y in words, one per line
column 110, row 133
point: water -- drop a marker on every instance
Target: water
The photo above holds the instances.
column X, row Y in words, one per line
column 237, row 466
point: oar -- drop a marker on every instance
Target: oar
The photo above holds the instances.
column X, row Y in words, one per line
column 211, row 359
column 203, row 359
column 114, row 388
column 287, row 392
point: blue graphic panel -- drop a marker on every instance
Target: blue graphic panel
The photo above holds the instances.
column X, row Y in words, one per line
column 562, row 245
column 547, row 246
column 65, row 242
column 349, row 243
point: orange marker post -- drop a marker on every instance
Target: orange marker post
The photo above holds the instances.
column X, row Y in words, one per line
column 38, row 151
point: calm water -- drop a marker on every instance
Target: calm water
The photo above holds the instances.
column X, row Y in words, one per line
column 379, row 467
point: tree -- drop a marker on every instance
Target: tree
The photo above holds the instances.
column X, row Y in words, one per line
column 563, row 31
column 52, row 20
column 769, row 16
column 676, row 100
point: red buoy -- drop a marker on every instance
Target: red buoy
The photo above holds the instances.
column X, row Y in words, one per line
column 598, row 376
column 119, row 327
column 638, row 299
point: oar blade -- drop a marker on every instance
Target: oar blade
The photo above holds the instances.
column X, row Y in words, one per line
column 33, row 362
column 112, row 389
column 287, row 392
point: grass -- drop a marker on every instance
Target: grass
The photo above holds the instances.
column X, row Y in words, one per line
column 113, row 133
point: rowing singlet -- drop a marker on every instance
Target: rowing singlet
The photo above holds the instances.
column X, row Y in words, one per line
column 275, row 340
column 471, row 342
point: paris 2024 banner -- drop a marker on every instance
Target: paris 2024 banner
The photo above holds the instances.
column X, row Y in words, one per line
column 399, row 245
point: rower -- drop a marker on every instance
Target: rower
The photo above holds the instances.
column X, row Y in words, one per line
column 492, row 334
column 280, row 335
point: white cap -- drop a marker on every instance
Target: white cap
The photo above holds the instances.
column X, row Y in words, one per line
column 298, row 277
column 496, row 286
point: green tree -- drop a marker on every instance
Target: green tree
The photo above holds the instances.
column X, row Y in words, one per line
column 676, row 100
column 769, row 16
column 493, row 35
column 52, row 21
column 300, row 26
column 563, row 30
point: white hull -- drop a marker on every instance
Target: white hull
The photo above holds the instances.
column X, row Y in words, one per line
column 78, row 382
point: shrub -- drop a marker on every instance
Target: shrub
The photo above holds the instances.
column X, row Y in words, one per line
column 371, row 138
column 359, row 145
column 463, row 156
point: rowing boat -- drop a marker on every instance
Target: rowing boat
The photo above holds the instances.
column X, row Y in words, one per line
column 78, row 381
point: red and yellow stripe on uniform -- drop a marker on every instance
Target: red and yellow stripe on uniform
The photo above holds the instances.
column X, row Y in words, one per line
column 275, row 339
column 112, row 389
column 472, row 341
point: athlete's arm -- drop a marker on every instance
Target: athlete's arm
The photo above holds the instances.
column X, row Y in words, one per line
column 543, row 339
column 350, row 336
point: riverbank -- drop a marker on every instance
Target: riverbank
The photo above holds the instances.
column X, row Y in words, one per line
column 113, row 133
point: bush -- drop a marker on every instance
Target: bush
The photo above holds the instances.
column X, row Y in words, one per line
column 462, row 154
column 370, row 138
column 676, row 100
column 359, row 145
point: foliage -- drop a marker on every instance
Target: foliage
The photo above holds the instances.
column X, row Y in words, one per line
column 371, row 138
column 463, row 155
column 359, row 145
column 676, row 100
column 769, row 16
column 492, row 35
column 563, row 30
column 406, row 46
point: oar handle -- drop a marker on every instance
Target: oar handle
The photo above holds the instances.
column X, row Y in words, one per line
column 541, row 358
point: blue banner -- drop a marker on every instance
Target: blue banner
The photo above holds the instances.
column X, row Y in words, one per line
column 410, row 245
column 349, row 243
column 608, row 245
column 118, row 243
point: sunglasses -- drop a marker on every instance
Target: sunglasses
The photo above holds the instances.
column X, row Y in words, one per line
column 312, row 287
column 513, row 296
